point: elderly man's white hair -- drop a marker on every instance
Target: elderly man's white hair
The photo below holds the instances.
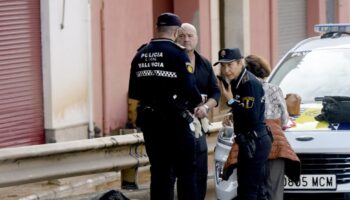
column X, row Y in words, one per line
column 189, row 26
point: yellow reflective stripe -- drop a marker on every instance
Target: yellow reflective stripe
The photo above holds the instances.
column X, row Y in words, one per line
column 307, row 121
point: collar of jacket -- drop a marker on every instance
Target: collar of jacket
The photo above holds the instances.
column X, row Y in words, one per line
column 237, row 82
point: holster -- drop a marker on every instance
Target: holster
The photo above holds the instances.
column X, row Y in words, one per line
column 181, row 108
column 246, row 142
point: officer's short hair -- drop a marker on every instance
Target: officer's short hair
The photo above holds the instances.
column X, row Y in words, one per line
column 167, row 29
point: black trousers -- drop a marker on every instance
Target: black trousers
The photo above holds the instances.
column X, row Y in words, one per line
column 252, row 172
column 201, row 166
column 170, row 146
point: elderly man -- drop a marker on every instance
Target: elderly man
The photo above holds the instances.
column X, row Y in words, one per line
column 210, row 91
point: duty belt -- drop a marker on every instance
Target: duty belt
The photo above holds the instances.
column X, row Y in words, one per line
column 257, row 133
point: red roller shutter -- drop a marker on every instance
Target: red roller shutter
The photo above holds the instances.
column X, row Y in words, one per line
column 21, row 97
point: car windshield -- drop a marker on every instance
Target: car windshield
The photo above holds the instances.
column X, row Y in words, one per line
column 317, row 73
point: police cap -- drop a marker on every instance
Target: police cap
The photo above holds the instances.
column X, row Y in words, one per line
column 229, row 55
column 168, row 19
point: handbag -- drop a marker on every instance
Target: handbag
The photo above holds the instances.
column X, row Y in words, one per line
column 293, row 102
column 335, row 109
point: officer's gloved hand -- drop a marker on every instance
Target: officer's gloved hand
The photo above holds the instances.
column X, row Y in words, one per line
column 132, row 112
column 205, row 125
column 197, row 127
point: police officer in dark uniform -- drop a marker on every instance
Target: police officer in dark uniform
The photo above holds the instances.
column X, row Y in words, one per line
column 162, row 80
column 245, row 95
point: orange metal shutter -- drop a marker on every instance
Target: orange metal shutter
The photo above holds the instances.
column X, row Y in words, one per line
column 21, row 96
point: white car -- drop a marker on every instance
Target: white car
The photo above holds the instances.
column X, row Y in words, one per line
column 314, row 68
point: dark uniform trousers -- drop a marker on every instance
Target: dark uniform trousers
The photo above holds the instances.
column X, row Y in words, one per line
column 202, row 166
column 252, row 172
column 170, row 146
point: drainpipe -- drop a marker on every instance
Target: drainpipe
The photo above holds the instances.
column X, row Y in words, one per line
column 90, row 80
column 105, row 126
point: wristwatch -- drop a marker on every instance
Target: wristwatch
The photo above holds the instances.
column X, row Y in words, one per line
column 230, row 102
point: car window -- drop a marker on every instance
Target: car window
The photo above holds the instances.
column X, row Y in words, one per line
column 317, row 73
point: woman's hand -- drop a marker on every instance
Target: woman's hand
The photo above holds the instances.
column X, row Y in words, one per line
column 227, row 93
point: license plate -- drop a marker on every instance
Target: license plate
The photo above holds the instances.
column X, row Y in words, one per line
column 312, row 182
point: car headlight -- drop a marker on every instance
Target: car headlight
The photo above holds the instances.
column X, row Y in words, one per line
column 219, row 167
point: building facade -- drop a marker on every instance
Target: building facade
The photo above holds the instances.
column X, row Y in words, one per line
column 64, row 65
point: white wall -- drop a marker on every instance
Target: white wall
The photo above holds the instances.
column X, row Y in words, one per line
column 65, row 59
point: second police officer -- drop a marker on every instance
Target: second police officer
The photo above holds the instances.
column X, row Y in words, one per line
column 245, row 95
column 162, row 81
